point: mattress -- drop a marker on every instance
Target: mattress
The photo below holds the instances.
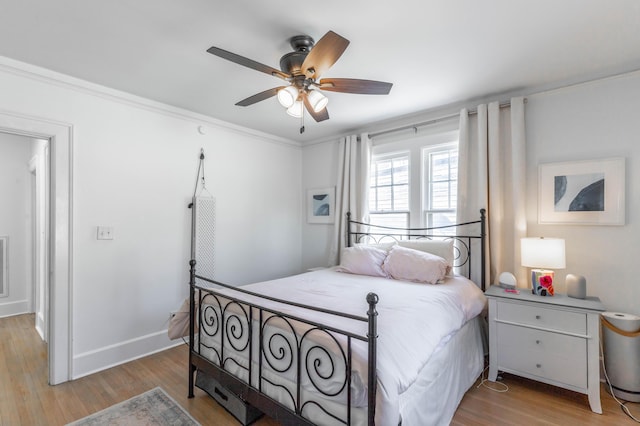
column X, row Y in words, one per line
column 428, row 346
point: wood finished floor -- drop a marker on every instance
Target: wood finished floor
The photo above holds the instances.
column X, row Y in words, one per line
column 27, row 399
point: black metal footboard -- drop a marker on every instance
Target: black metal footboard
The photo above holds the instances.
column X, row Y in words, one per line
column 285, row 365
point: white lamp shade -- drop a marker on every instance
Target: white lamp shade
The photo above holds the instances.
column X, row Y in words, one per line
column 543, row 253
column 317, row 100
column 287, row 96
column 295, row 110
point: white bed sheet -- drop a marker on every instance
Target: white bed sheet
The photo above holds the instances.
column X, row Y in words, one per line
column 434, row 397
column 413, row 322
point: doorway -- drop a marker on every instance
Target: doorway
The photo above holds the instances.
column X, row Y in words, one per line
column 24, row 228
column 59, row 329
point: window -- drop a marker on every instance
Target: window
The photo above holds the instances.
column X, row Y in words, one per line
column 440, row 165
column 414, row 182
column 389, row 190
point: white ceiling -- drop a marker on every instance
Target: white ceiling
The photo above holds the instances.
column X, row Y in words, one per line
column 436, row 52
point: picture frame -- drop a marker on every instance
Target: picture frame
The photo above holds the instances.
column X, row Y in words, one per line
column 321, row 205
column 582, row 192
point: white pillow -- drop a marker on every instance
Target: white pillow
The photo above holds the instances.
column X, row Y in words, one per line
column 382, row 246
column 412, row 265
column 442, row 248
column 363, row 260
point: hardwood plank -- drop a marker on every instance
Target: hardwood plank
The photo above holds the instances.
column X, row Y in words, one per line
column 26, row 398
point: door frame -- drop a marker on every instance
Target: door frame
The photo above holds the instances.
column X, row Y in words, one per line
column 39, row 301
column 60, row 136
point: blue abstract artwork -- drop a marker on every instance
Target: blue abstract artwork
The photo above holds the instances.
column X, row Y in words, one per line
column 321, row 206
column 582, row 192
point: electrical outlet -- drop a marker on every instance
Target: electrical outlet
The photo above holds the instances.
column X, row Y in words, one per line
column 105, row 233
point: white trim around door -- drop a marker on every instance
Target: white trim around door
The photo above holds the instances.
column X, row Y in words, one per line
column 60, row 136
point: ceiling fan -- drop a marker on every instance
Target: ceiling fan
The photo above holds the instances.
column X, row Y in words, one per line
column 301, row 69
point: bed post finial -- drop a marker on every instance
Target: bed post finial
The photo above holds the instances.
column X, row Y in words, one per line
column 372, row 300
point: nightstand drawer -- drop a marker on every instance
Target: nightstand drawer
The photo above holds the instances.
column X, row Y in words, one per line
column 552, row 319
column 545, row 354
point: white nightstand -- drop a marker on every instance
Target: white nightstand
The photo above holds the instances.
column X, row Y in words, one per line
column 553, row 340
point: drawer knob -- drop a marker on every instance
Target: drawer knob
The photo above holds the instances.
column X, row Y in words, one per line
column 538, row 365
column 537, row 342
column 537, row 316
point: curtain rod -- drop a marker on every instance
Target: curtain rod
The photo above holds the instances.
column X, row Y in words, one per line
column 432, row 121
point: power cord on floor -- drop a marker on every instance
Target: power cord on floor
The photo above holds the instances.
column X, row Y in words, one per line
column 623, row 405
column 483, row 382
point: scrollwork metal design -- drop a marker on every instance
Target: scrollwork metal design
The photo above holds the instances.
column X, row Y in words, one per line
column 236, row 323
column 210, row 323
column 320, row 365
column 281, row 350
column 311, row 357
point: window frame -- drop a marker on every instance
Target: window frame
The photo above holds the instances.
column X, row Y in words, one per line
column 427, row 197
column 390, row 156
column 440, row 134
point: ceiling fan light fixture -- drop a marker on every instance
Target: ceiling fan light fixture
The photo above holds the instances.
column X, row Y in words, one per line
column 295, row 110
column 317, row 100
column 287, row 96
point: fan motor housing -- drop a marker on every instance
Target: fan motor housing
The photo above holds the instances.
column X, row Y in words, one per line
column 292, row 62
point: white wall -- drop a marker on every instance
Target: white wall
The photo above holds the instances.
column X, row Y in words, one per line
column 134, row 167
column 15, row 221
column 587, row 122
column 581, row 122
column 319, row 171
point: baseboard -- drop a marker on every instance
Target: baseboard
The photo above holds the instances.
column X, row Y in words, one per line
column 109, row 356
column 10, row 309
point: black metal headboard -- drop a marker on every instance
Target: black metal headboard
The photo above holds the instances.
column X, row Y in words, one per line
column 462, row 234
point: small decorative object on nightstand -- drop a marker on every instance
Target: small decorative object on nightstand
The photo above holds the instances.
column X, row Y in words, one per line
column 576, row 286
column 545, row 253
column 554, row 340
column 507, row 280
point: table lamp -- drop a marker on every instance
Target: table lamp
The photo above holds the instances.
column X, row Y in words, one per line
column 542, row 254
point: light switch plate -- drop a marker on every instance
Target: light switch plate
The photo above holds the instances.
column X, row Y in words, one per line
column 105, row 233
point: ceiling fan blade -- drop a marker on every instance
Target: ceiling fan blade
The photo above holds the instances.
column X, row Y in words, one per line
column 249, row 63
column 352, row 85
column 318, row 116
column 324, row 54
column 259, row 96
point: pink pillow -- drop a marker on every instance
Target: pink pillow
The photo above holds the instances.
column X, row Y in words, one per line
column 412, row 265
column 363, row 260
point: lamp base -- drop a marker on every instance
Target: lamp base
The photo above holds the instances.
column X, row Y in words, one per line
column 542, row 282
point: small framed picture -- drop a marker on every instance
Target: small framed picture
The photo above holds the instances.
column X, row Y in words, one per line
column 321, row 205
column 582, row 192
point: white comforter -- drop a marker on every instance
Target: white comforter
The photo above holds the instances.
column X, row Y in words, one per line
column 413, row 320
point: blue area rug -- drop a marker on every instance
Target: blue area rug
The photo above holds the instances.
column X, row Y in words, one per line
column 154, row 407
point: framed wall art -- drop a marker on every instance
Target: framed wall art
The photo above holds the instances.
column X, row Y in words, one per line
column 582, row 192
column 321, row 205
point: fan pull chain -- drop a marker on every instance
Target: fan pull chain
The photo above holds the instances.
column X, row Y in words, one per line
column 302, row 122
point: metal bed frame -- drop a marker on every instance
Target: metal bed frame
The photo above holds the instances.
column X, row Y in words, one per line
column 238, row 324
column 366, row 233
